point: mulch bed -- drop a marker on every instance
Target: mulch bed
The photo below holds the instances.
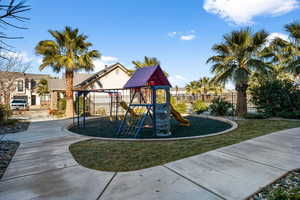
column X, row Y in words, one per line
column 285, row 188
column 7, row 151
column 103, row 127
column 14, row 128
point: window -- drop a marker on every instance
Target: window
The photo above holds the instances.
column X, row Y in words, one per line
column 20, row 86
column 45, row 97
column 161, row 97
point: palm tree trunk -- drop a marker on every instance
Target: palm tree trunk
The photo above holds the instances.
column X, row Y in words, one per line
column 69, row 94
column 241, row 105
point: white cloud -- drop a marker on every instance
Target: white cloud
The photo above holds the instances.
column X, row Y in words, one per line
column 178, row 80
column 172, row 34
column 103, row 61
column 274, row 35
column 188, row 37
column 242, row 12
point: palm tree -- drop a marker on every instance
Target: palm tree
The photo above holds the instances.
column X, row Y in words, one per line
column 287, row 53
column 237, row 58
column 69, row 51
column 42, row 87
column 193, row 88
column 204, row 84
column 148, row 61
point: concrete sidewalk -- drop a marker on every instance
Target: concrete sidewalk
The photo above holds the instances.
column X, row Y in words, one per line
column 43, row 168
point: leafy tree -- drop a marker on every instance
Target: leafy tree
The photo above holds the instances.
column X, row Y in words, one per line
column 238, row 56
column 69, row 51
column 276, row 96
column 42, row 87
column 287, row 53
column 11, row 69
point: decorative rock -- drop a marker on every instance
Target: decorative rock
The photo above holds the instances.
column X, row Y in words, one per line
column 7, row 151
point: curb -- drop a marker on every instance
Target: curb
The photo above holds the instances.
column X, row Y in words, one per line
column 233, row 124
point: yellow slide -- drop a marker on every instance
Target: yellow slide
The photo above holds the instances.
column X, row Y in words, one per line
column 124, row 105
column 178, row 117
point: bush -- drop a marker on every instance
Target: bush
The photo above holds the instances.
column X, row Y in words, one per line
column 5, row 112
column 101, row 111
column 289, row 115
column 276, row 96
column 199, row 106
column 256, row 116
column 181, row 107
column 56, row 112
column 61, row 104
column 220, row 107
column 80, row 111
column 2, row 113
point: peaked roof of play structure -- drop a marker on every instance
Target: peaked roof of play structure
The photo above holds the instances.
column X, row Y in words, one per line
column 152, row 75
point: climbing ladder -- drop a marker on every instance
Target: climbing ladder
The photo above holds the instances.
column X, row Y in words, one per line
column 132, row 125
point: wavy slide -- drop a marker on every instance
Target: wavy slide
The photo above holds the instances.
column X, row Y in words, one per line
column 179, row 117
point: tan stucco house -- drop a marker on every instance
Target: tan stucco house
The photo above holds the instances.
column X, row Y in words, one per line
column 111, row 77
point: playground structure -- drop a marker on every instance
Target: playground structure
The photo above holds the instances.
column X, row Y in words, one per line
column 148, row 106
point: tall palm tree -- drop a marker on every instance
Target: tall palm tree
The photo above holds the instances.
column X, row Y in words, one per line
column 148, row 61
column 69, row 51
column 237, row 58
column 287, row 53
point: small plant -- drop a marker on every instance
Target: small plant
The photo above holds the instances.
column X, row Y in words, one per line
column 101, row 111
column 199, row 106
column 220, row 107
column 181, row 107
column 61, row 104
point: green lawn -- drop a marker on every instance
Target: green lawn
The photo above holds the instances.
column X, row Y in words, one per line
column 128, row 156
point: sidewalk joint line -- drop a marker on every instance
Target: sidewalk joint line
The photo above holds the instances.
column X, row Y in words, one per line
column 106, row 186
column 190, row 180
column 32, row 174
column 257, row 162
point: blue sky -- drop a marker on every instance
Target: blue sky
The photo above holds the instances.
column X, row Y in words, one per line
column 179, row 33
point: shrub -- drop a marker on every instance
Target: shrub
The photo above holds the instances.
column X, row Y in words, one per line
column 56, row 112
column 5, row 112
column 220, row 107
column 199, row 106
column 276, row 96
column 290, row 115
column 2, row 113
column 256, row 116
column 101, row 111
column 61, row 104
column 80, row 111
column 181, row 107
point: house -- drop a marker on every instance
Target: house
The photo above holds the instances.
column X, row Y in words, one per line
column 111, row 77
column 18, row 85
